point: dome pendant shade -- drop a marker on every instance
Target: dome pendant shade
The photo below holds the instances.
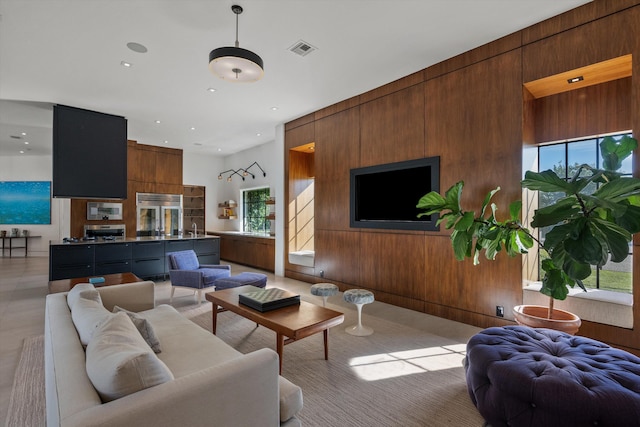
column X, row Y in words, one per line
column 236, row 64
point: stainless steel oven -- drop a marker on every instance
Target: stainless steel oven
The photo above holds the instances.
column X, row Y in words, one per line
column 105, row 231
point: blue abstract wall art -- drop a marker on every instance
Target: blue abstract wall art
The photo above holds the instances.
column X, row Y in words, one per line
column 25, row 202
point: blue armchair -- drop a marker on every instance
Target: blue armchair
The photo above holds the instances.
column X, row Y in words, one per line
column 185, row 271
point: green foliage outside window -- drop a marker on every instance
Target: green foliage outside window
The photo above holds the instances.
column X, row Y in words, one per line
column 254, row 210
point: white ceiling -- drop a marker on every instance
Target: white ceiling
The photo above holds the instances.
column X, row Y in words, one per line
column 70, row 51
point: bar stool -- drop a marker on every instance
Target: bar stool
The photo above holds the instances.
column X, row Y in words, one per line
column 359, row 297
column 324, row 290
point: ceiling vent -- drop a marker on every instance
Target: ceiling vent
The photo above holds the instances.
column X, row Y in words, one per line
column 302, row 48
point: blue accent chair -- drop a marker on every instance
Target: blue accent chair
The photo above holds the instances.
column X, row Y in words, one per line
column 185, row 271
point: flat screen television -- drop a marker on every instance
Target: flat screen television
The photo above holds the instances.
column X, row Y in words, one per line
column 89, row 154
column 385, row 196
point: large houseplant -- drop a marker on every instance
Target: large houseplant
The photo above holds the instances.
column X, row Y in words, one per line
column 592, row 223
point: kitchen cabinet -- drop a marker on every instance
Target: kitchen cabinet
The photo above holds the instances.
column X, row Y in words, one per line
column 68, row 261
column 148, row 258
column 111, row 258
column 254, row 251
column 208, row 250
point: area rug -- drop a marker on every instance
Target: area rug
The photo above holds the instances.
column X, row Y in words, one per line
column 27, row 401
column 399, row 376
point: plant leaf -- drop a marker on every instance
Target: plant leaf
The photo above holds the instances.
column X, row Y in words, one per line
column 554, row 214
column 614, row 152
column 619, row 189
column 586, row 247
column 617, row 239
column 465, row 222
column 461, row 243
column 546, row 181
column 487, row 199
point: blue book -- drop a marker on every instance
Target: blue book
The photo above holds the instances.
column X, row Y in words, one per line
column 95, row 280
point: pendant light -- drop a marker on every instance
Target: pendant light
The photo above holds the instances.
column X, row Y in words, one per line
column 232, row 63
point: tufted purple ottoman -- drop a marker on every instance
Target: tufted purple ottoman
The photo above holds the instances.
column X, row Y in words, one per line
column 258, row 280
column 519, row 376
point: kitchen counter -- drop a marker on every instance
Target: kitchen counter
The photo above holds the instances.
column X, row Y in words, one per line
column 241, row 234
column 145, row 257
column 252, row 249
column 99, row 241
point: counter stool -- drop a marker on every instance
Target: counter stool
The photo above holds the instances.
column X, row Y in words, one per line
column 324, row 290
column 359, row 297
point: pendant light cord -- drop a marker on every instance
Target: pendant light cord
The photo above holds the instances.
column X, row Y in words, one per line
column 237, row 42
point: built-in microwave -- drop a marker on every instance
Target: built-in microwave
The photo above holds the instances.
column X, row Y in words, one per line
column 100, row 210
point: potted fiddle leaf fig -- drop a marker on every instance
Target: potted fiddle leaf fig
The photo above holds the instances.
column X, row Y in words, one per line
column 591, row 223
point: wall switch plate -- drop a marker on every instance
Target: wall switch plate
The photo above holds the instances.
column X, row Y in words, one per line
column 499, row 311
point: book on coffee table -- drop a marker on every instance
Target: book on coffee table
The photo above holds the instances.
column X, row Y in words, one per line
column 269, row 299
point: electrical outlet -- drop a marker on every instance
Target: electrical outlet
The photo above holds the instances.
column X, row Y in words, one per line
column 499, row 311
column 321, row 273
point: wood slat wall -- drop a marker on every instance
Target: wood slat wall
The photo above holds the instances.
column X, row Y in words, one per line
column 474, row 112
column 150, row 169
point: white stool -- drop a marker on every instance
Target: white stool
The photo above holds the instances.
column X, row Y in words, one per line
column 324, row 290
column 359, row 297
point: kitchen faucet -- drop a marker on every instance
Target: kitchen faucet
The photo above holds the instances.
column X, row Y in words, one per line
column 195, row 230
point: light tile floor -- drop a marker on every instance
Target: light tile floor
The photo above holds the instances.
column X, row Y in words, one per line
column 23, row 288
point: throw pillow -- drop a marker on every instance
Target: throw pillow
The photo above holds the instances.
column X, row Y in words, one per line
column 119, row 362
column 74, row 293
column 144, row 327
column 86, row 316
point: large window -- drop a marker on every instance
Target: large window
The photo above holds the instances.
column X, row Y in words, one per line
column 564, row 159
column 254, row 210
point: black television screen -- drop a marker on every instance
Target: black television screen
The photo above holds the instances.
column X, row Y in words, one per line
column 89, row 154
column 385, row 196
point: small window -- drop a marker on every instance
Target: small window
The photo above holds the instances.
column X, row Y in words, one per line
column 254, row 210
column 564, row 159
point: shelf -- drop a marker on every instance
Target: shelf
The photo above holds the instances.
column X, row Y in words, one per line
column 227, row 217
column 271, row 217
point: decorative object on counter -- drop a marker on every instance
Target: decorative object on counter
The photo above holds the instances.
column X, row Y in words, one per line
column 25, row 233
column 14, row 232
column 3, row 233
column 245, row 172
column 235, row 64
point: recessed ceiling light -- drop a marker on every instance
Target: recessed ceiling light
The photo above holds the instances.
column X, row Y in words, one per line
column 26, row 143
column 24, row 134
column 575, row 79
column 258, row 134
column 166, row 142
column 197, row 143
column 21, row 152
column 137, row 47
column 126, row 64
column 211, row 89
column 219, row 149
column 274, row 108
column 192, row 128
column 158, row 121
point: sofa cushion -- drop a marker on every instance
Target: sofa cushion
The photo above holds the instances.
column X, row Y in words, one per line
column 119, row 362
column 144, row 327
column 87, row 314
column 74, row 294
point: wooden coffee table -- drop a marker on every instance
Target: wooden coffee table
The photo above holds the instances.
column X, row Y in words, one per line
column 65, row 285
column 289, row 323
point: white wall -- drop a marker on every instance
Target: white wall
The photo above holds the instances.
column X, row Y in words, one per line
column 36, row 168
column 203, row 169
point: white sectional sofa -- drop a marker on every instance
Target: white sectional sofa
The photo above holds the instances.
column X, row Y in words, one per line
column 212, row 383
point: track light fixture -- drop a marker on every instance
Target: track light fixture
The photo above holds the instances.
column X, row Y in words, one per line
column 245, row 172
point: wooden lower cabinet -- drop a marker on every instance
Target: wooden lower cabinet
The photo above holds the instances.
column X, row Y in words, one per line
column 258, row 252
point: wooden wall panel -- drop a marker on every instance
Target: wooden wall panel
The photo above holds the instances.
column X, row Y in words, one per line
column 592, row 110
column 338, row 256
column 474, row 123
column 597, row 41
column 337, row 149
column 393, row 263
column 141, row 163
column 392, row 127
